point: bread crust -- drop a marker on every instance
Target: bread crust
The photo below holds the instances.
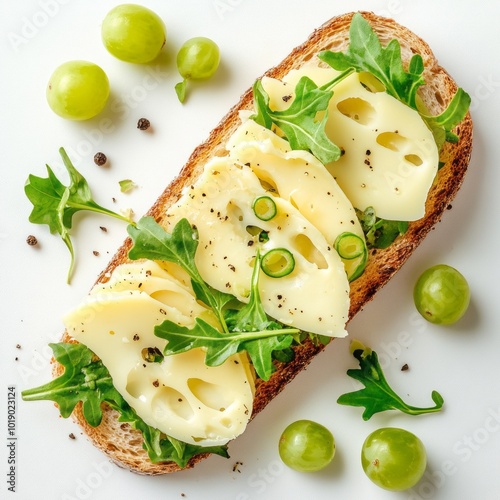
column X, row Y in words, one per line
column 122, row 444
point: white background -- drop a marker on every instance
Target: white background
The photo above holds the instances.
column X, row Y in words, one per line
column 461, row 361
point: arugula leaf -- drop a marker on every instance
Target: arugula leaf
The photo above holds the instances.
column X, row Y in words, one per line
column 379, row 233
column 180, row 90
column 160, row 447
column 451, row 116
column 86, row 379
column 365, row 53
column 251, row 330
column 378, row 396
column 55, row 204
column 220, row 346
column 83, row 380
column 151, row 241
column 299, row 122
column 251, row 316
column 126, row 185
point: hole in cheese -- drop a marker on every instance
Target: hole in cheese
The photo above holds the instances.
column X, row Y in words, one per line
column 392, row 140
column 253, row 230
column 414, row 159
column 168, row 401
column 234, row 212
column 226, row 422
column 211, row 395
column 175, row 300
column 268, row 183
column 371, row 82
column 357, row 109
column 306, row 248
column 135, row 385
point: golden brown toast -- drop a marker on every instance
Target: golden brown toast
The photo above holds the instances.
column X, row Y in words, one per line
column 124, row 445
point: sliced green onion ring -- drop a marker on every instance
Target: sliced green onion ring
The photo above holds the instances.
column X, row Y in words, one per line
column 264, row 236
column 349, row 246
column 152, row 355
column 353, row 252
column 355, row 267
column 277, row 263
column 264, row 207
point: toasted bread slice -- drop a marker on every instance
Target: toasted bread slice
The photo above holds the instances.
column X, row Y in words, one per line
column 124, row 445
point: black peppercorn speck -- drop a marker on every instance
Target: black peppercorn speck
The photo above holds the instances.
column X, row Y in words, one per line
column 143, row 124
column 100, row 159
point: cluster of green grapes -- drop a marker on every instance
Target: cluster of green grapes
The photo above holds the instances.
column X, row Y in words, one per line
column 79, row 90
column 393, row 458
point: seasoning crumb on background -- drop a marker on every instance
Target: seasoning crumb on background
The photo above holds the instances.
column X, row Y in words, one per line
column 72, row 436
column 143, row 124
column 405, row 367
column 31, row 240
column 96, row 253
column 100, row 159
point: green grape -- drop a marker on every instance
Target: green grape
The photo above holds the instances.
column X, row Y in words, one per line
column 441, row 295
column 197, row 59
column 133, row 33
column 394, row 459
column 78, row 90
column 306, row 446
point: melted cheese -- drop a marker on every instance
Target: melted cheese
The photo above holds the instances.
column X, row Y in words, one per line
column 389, row 162
column 315, row 296
column 296, row 176
column 180, row 396
column 390, row 157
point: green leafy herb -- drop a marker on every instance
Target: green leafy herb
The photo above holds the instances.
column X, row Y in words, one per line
column 378, row 396
column 246, row 328
column 55, row 204
column 366, row 53
column 159, row 446
column 300, row 122
column 450, row 117
column 86, row 379
column 83, row 380
column 380, row 233
column 180, row 90
column 126, row 185
column 251, row 330
column 151, row 241
column 219, row 346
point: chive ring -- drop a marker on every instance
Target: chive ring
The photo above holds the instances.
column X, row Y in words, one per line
column 277, row 263
column 264, row 207
column 349, row 246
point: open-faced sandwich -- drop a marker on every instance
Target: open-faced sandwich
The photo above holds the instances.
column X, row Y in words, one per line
column 302, row 203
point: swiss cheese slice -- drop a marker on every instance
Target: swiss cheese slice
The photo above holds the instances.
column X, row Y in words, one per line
column 180, row 395
column 390, row 157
